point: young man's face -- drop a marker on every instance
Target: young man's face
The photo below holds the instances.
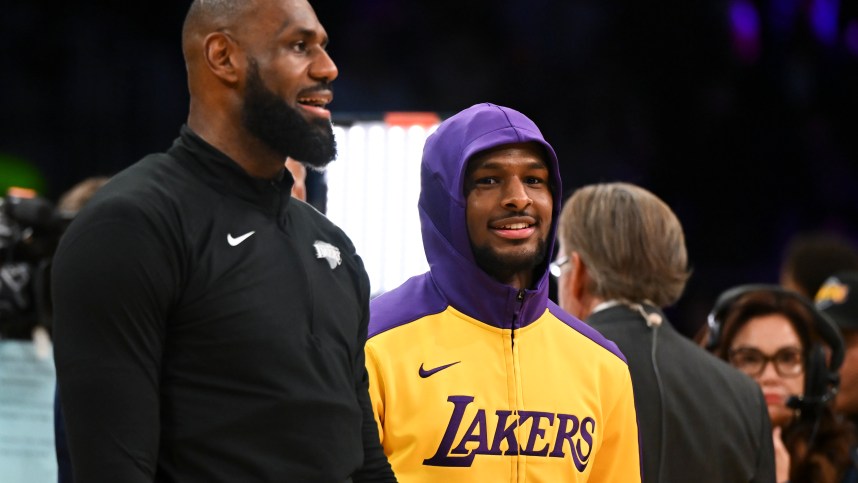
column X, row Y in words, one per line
column 509, row 209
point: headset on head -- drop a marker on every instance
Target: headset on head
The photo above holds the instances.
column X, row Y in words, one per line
column 821, row 377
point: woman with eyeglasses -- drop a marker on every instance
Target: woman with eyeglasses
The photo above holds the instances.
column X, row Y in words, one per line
column 770, row 335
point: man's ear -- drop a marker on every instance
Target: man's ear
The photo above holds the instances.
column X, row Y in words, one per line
column 579, row 276
column 223, row 57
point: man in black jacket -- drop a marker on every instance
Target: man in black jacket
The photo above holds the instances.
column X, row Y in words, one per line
column 208, row 327
column 622, row 259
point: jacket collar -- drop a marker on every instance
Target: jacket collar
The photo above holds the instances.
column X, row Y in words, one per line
column 221, row 172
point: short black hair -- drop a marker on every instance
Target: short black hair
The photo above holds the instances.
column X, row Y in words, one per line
column 810, row 258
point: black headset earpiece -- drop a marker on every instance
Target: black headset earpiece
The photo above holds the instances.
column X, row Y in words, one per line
column 821, row 376
column 723, row 304
column 820, row 386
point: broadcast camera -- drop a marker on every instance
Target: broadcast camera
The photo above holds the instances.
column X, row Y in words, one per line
column 30, row 229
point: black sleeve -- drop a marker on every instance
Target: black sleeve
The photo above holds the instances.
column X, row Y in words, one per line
column 375, row 468
column 766, row 456
column 112, row 281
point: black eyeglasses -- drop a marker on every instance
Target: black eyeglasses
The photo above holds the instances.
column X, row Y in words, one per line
column 556, row 267
column 788, row 362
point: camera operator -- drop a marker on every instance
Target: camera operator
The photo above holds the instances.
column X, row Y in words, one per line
column 30, row 228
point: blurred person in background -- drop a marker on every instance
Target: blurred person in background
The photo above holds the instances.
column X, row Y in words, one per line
column 71, row 202
column 299, row 176
column 793, row 351
column 838, row 298
column 622, row 259
column 810, row 258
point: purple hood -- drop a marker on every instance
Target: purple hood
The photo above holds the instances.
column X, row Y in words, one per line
column 442, row 215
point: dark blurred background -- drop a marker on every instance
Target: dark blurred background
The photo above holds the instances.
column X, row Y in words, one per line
column 741, row 114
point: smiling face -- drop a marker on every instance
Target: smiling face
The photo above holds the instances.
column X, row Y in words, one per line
column 771, row 334
column 509, row 210
column 288, row 83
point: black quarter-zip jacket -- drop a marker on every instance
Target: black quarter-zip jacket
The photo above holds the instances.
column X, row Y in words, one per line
column 210, row 328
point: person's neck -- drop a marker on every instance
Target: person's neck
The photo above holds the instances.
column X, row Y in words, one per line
column 259, row 161
column 518, row 280
column 254, row 157
column 587, row 305
column 521, row 281
column 652, row 319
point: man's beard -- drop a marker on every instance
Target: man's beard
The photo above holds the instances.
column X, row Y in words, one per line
column 284, row 129
column 504, row 267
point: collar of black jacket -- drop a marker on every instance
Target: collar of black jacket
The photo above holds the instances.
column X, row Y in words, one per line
column 224, row 174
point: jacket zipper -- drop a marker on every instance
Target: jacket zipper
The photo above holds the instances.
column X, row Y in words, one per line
column 515, row 318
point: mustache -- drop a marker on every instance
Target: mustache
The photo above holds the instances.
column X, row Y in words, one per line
column 515, row 214
column 322, row 86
